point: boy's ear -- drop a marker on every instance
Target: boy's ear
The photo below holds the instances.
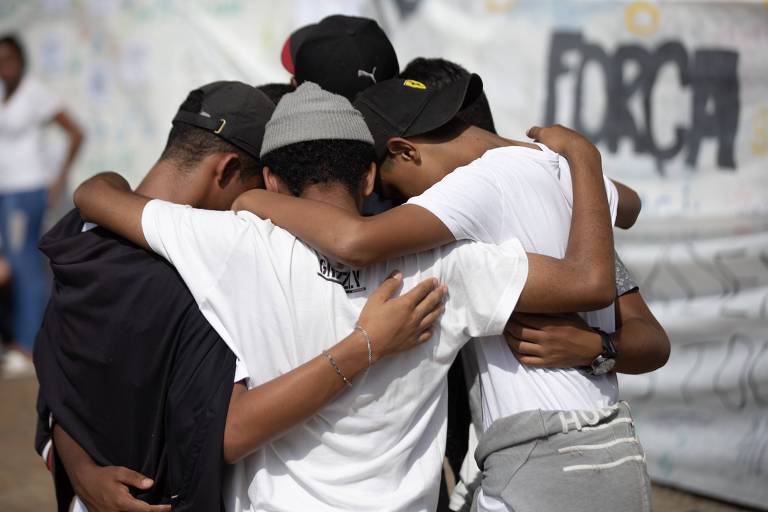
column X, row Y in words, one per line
column 404, row 149
column 369, row 180
column 226, row 169
column 273, row 182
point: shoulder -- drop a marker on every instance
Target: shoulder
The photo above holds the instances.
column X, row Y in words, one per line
column 34, row 89
column 481, row 252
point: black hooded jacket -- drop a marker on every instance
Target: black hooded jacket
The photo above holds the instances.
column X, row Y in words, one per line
column 130, row 368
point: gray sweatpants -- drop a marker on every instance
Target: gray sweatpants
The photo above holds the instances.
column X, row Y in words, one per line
column 540, row 461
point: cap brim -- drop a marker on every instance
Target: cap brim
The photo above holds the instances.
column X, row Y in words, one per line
column 292, row 45
column 444, row 104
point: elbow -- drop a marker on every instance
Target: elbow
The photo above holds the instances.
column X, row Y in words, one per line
column 599, row 293
column 664, row 348
column 351, row 248
column 78, row 137
column 246, row 201
column 232, row 449
column 238, row 203
column 231, row 454
column 629, row 212
column 78, row 198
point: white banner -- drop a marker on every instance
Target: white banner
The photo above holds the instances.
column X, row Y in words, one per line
column 675, row 93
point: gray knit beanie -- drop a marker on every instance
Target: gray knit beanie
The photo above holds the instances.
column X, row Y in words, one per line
column 310, row 113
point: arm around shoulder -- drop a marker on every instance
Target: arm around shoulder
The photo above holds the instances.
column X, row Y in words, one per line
column 106, row 199
column 349, row 238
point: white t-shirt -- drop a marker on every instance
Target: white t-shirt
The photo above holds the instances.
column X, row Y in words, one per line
column 520, row 193
column 278, row 303
column 22, row 119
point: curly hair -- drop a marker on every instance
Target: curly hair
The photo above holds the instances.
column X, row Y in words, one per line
column 322, row 161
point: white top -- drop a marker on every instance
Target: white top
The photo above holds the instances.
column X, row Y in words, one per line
column 22, row 119
column 520, row 193
column 278, row 303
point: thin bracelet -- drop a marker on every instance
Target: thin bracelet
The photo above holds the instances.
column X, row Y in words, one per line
column 368, row 340
column 336, row 367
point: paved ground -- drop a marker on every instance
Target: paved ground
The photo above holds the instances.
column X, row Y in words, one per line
column 25, row 484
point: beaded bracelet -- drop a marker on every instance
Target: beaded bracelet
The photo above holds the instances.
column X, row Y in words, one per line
column 336, row 367
column 368, row 340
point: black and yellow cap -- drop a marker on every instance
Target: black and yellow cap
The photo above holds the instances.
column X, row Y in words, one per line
column 405, row 108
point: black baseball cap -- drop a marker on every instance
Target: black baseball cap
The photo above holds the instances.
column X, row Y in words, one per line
column 342, row 54
column 235, row 111
column 405, row 108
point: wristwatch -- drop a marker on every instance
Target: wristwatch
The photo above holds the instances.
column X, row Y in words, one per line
column 606, row 360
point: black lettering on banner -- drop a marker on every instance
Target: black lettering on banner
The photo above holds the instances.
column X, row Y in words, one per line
column 711, row 75
column 714, row 82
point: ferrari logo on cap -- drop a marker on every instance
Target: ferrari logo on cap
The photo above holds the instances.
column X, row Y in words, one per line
column 414, row 84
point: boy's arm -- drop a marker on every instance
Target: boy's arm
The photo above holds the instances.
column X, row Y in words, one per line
column 260, row 414
column 566, row 341
column 106, row 199
column 629, row 206
column 582, row 281
column 101, row 487
column 353, row 240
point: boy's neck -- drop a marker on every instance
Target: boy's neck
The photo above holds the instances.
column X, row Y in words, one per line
column 334, row 194
column 165, row 181
column 477, row 141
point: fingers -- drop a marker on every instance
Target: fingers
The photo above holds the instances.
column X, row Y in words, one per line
column 524, row 348
column 532, row 361
column 431, row 301
column 387, row 289
column 533, row 132
column 132, row 478
column 523, row 332
column 420, row 291
column 424, row 336
column 431, row 318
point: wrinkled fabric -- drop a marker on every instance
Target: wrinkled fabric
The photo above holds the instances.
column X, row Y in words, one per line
column 129, row 367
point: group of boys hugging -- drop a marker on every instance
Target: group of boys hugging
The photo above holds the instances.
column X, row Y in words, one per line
column 234, row 334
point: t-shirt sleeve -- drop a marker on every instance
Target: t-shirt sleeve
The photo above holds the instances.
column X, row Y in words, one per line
column 197, row 242
column 484, row 284
column 610, row 187
column 469, row 202
column 241, row 371
column 625, row 283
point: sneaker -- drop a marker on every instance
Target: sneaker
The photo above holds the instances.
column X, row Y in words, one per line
column 16, row 365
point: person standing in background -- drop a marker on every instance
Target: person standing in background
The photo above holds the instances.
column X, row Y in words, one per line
column 27, row 187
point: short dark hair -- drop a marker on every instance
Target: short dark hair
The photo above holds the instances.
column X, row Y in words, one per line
column 276, row 91
column 187, row 145
column 14, row 42
column 439, row 73
column 316, row 162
